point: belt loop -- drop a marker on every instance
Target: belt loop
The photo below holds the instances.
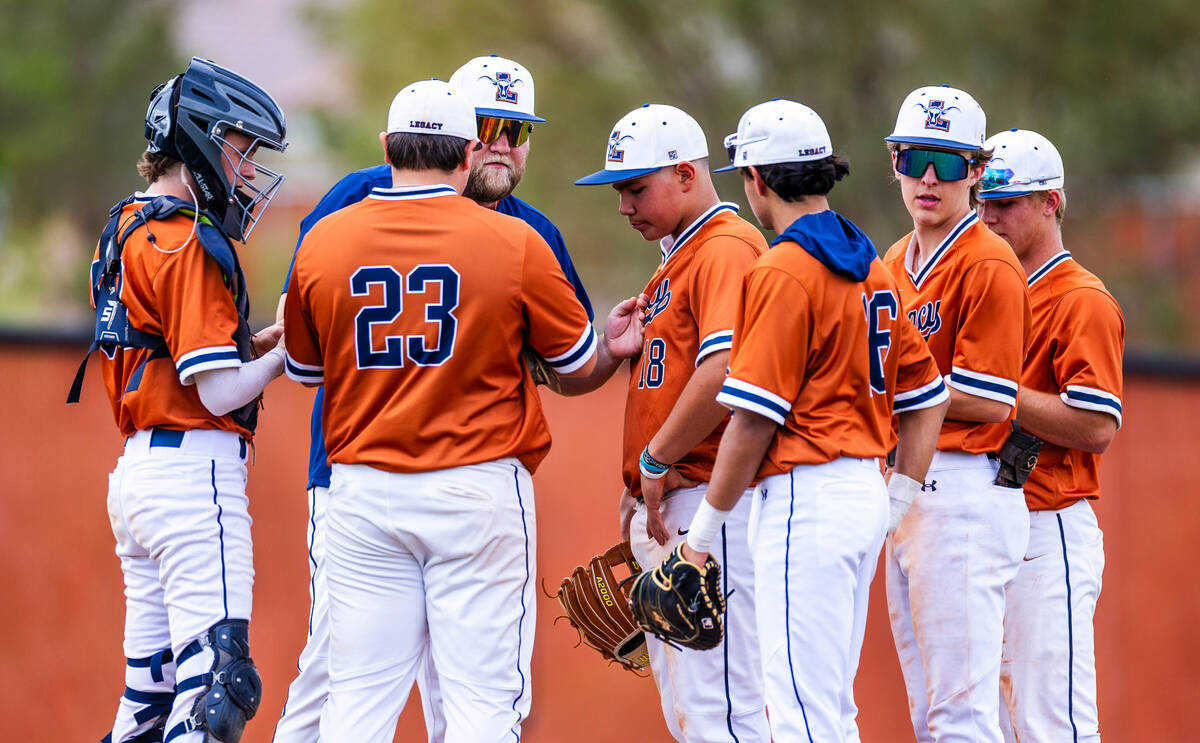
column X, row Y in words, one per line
column 242, row 447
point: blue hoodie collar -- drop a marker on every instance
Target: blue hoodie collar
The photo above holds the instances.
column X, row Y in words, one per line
column 833, row 240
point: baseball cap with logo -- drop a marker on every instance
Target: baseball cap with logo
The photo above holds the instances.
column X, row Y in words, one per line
column 431, row 107
column 647, row 138
column 1022, row 162
column 497, row 87
column 778, row 131
column 940, row 116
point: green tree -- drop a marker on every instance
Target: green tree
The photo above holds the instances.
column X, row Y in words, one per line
column 75, row 79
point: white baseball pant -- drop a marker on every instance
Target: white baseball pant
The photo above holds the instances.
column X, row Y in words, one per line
column 709, row 695
column 1048, row 668
column 443, row 560
column 948, row 566
column 816, row 533
column 301, row 718
column 178, row 509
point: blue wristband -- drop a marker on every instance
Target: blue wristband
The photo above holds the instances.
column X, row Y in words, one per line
column 651, row 467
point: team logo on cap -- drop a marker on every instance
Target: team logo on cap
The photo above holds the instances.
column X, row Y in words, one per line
column 616, row 155
column 504, row 83
column 935, row 115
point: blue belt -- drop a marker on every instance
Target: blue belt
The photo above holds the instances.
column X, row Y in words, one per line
column 166, row 437
column 174, row 439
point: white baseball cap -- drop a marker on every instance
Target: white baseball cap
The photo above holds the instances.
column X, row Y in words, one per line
column 1022, row 162
column 778, row 131
column 431, row 107
column 646, row 139
column 497, row 87
column 940, row 116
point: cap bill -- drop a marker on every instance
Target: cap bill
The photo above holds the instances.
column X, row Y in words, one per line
column 508, row 113
column 933, row 142
column 601, row 177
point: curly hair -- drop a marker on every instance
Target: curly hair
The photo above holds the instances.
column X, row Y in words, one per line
column 154, row 165
column 795, row 181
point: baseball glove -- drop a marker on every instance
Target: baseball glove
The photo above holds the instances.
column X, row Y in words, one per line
column 541, row 371
column 596, row 607
column 680, row 602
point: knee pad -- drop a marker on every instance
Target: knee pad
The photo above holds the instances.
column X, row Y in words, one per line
column 232, row 686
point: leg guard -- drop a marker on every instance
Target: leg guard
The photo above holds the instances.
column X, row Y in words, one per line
column 232, row 686
column 149, row 694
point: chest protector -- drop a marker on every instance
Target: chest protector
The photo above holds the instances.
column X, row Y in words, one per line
column 113, row 330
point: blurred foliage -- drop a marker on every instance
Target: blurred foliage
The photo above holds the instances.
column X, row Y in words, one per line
column 72, row 90
column 75, row 78
column 1113, row 84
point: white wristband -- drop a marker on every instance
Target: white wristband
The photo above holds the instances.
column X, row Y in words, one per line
column 903, row 488
column 705, row 525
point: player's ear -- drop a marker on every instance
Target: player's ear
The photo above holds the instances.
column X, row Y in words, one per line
column 760, row 186
column 383, row 138
column 686, row 174
column 1050, row 205
column 472, row 149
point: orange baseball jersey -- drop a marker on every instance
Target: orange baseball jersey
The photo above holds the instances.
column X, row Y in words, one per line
column 827, row 358
column 970, row 303
column 412, row 307
column 695, row 295
column 173, row 289
column 1078, row 340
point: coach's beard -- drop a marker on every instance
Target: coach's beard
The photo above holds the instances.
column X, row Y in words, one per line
column 488, row 184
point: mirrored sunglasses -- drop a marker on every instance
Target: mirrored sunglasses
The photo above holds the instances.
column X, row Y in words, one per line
column 994, row 178
column 948, row 166
column 491, row 127
column 732, row 143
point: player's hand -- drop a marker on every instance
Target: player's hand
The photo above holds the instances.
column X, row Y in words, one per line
column 653, row 492
column 267, row 339
column 628, row 503
column 626, row 326
column 656, row 528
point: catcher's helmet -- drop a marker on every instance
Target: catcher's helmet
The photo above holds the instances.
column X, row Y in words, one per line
column 188, row 118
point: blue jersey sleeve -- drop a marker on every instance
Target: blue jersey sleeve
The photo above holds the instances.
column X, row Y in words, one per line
column 351, row 189
column 514, row 207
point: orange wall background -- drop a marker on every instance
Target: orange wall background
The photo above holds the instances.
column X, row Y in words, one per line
column 60, row 632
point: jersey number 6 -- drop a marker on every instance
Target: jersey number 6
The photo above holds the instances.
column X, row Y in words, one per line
column 396, row 347
column 879, row 338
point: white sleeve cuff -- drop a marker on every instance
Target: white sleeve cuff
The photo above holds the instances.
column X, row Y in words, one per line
column 926, row 396
column 304, row 373
column 983, row 385
column 721, row 340
column 738, row 394
column 1090, row 398
column 578, row 355
column 206, row 359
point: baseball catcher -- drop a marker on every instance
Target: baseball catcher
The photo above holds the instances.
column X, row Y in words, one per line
column 680, row 602
column 596, row 606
